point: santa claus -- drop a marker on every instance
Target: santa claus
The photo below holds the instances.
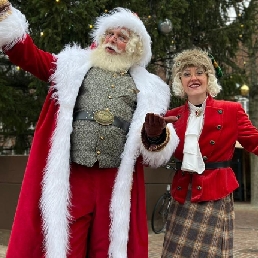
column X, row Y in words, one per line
column 83, row 191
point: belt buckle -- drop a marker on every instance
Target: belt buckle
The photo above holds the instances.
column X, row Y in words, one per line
column 104, row 117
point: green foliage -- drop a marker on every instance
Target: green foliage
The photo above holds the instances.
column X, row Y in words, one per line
column 62, row 22
column 19, row 105
column 231, row 86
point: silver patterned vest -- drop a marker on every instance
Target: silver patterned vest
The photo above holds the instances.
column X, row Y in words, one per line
column 91, row 141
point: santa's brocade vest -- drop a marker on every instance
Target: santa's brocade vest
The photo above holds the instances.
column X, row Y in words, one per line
column 91, row 141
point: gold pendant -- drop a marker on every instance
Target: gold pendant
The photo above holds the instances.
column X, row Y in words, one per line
column 198, row 112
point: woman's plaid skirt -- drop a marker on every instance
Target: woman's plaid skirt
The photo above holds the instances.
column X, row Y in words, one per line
column 200, row 230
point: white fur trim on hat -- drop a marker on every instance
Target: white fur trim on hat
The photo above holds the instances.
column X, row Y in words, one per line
column 121, row 17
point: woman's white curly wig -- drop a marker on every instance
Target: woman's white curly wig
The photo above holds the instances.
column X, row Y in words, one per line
column 197, row 58
column 121, row 17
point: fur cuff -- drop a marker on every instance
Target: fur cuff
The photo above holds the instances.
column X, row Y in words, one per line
column 13, row 29
column 151, row 146
column 164, row 153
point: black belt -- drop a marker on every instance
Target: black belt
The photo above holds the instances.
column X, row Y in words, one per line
column 209, row 165
column 111, row 120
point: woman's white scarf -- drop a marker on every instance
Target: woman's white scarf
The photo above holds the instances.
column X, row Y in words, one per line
column 192, row 160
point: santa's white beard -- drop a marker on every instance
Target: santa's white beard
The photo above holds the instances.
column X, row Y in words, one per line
column 111, row 62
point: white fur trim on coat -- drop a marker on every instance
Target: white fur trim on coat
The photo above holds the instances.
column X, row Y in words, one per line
column 13, row 29
column 55, row 200
column 153, row 96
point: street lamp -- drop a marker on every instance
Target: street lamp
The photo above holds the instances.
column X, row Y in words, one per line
column 244, row 90
column 165, row 27
column 244, row 99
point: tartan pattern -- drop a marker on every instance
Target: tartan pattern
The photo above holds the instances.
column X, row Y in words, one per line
column 200, row 230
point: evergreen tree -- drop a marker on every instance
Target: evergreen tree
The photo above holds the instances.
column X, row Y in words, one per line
column 173, row 25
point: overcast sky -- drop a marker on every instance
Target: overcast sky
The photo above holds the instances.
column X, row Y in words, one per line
column 232, row 13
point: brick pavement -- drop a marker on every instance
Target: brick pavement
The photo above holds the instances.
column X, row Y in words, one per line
column 245, row 238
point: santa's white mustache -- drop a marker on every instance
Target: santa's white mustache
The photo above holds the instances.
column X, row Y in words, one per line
column 114, row 47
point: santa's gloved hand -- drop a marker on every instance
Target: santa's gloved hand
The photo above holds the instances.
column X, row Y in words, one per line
column 154, row 125
column 155, row 135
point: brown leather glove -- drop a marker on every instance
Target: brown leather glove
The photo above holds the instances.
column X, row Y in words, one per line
column 154, row 135
column 154, row 125
column 170, row 119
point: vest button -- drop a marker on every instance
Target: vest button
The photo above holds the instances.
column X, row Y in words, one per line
column 204, row 158
column 219, row 127
column 98, row 152
column 212, row 142
column 110, row 97
column 220, row 111
column 102, row 138
column 199, row 187
column 179, row 188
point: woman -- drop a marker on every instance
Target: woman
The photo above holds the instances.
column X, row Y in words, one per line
column 200, row 223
